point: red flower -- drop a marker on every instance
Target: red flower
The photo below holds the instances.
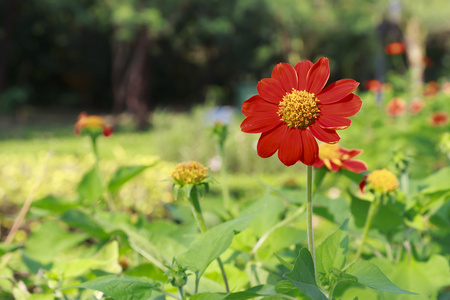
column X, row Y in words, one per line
column 439, row 118
column 334, row 157
column 92, row 124
column 374, row 85
column 395, row 48
column 396, row 107
column 431, row 88
column 416, row 106
column 292, row 109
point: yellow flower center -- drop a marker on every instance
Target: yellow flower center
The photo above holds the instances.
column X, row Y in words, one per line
column 91, row 122
column 190, row 172
column 298, row 109
column 382, row 180
column 331, row 152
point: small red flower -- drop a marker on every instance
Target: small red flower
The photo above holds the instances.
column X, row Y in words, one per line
column 92, row 124
column 416, row 106
column 431, row 89
column 396, row 107
column 292, row 108
column 439, row 118
column 395, row 48
column 374, row 85
column 334, row 157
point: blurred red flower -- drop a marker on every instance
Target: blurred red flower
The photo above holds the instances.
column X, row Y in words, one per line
column 416, row 106
column 395, row 48
column 334, row 157
column 396, row 107
column 92, row 124
column 439, row 118
column 431, row 88
column 292, row 108
column 374, row 85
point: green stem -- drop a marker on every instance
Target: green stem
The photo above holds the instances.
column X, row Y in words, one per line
column 372, row 210
column 404, row 178
column 309, row 215
column 224, row 179
column 197, row 211
column 282, row 223
column 94, row 148
column 181, row 292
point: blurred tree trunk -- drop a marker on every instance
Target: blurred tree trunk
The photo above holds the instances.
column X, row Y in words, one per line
column 130, row 76
column 415, row 43
column 7, row 23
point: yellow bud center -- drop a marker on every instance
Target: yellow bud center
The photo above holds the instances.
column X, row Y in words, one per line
column 382, row 180
column 298, row 109
column 190, row 172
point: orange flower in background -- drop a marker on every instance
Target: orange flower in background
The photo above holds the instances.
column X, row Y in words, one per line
column 416, row 106
column 334, row 157
column 292, row 108
column 439, row 118
column 446, row 88
column 93, row 124
column 395, row 48
column 396, row 107
column 431, row 88
column 374, row 85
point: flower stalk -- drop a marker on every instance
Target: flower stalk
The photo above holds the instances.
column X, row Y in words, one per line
column 372, row 210
column 309, row 215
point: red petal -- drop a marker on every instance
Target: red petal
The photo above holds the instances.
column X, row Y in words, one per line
column 337, row 90
column 286, row 75
column 356, row 166
column 290, row 150
column 345, row 107
column 260, row 123
column 310, row 148
column 325, row 135
column 333, row 122
column 108, row 130
column 269, row 141
column 247, row 106
column 302, row 69
column 318, row 76
column 351, row 153
column 257, row 105
column 334, row 167
column 318, row 164
column 271, row 90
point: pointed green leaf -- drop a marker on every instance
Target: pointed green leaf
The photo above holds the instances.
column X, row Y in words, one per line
column 212, row 244
column 370, row 275
column 302, row 276
column 332, row 251
column 123, row 288
column 123, row 175
column 283, row 262
column 251, row 293
column 91, row 187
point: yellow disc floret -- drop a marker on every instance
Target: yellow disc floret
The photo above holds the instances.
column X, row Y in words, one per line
column 298, row 109
column 190, row 172
column 91, row 122
column 382, row 180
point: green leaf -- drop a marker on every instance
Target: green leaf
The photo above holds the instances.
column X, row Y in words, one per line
column 302, row 276
column 208, row 296
column 5, row 248
column 438, row 181
column 49, row 240
column 91, row 188
column 212, row 244
column 283, row 262
column 54, row 204
column 370, row 275
column 84, row 221
column 426, row 278
column 260, row 290
column 332, row 251
column 123, row 288
column 123, row 175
